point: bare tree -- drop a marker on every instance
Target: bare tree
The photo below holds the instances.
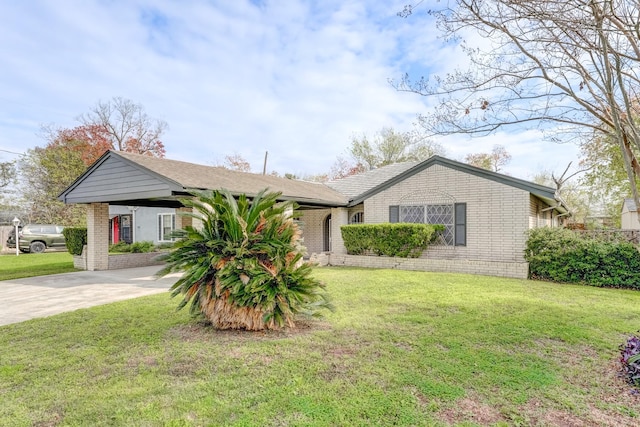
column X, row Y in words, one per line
column 237, row 163
column 572, row 68
column 493, row 161
column 128, row 125
column 390, row 146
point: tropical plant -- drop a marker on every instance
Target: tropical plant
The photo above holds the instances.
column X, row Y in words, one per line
column 630, row 359
column 243, row 269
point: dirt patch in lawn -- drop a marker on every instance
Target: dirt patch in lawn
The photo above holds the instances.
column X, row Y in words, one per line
column 202, row 331
column 471, row 409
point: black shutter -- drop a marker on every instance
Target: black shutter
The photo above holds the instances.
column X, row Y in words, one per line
column 394, row 213
column 461, row 224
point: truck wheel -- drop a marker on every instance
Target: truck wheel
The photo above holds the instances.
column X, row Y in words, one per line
column 37, row 247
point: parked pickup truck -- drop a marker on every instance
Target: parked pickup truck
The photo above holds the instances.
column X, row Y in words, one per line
column 37, row 238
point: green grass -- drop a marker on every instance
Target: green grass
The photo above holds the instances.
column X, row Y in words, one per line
column 402, row 348
column 29, row 265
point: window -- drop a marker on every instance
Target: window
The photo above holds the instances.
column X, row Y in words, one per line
column 357, row 218
column 166, row 224
column 452, row 216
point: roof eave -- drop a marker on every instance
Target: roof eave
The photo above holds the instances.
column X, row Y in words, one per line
column 533, row 188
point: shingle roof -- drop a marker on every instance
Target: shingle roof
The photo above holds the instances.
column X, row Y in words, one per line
column 195, row 176
column 178, row 178
column 630, row 205
column 355, row 185
column 183, row 177
column 378, row 180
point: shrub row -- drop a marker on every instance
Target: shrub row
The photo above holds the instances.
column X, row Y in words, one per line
column 135, row 248
column 561, row 255
column 75, row 239
column 398, row 239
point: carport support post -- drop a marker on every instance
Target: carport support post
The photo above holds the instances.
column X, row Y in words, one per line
column 98, row 236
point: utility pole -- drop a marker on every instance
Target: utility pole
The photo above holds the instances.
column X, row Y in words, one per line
column 264, row 168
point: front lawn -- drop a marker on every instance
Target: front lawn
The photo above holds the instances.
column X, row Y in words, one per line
column 402, row 348
column 29, row 265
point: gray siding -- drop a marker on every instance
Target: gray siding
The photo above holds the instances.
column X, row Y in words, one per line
column 116, row 180
column 145, row 220
column 146, row 223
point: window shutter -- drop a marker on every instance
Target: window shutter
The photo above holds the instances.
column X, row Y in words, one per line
column 394, row 213
column 461, row 224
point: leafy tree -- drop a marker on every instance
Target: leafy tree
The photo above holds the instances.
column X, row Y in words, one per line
column 243, row 268
column 493, row 161
column 567, row 67
column 606, row 176
column 90, row 141
column 45, row 173
column 389, row 146
column 127, row 126
column 7, row 174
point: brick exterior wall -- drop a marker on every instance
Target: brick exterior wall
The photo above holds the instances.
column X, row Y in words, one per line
column 183, row 220
column 497, row 214
column 118, row 261
column 339, row 217
column 517, row 270
column 312, row 224
column 498, row 217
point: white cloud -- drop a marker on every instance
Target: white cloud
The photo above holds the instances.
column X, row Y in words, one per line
column 294, row 78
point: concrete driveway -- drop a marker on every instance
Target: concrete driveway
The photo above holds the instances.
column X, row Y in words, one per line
column 24, row 299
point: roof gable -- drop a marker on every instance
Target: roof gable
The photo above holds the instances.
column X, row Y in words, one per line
column 355, row 185
column 541, row 191
column 113, row 179
column 630, row 205
column 120, row 177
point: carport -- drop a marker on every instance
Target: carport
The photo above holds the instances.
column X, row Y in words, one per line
column 119, row 178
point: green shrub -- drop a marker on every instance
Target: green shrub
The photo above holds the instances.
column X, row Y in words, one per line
column 561, row 255
column 75, row 239
column 120, row 247
column 142, row 247
column 165, row 245
column 398, row 239
column 136, row 247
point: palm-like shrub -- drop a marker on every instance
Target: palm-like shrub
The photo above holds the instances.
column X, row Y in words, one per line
column 243, row 269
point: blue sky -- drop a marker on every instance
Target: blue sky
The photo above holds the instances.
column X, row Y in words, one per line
column 294, row 78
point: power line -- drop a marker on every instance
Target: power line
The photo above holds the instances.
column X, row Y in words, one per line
column 12, row 152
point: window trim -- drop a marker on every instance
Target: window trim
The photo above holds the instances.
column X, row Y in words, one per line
column 161, row 222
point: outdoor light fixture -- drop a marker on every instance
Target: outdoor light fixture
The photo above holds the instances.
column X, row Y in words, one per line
column 16, row 223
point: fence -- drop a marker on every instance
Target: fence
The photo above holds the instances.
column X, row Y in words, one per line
column 631, row 236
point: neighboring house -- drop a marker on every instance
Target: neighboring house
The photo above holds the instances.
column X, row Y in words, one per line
column 141, row 223
column 629, row 217
column 486, row 214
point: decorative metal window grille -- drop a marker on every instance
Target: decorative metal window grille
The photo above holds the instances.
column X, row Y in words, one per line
column 414, row 214
column 432, row 214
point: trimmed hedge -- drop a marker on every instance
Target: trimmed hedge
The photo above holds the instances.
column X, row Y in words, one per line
column 134, row 248
column 398, row 239
column 561, row 255
column 75, row 239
